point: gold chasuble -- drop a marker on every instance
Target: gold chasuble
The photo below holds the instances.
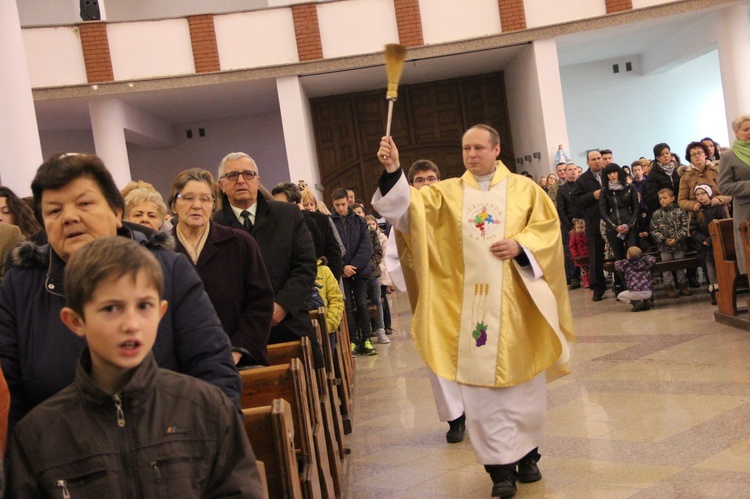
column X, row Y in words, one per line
column 479, row 320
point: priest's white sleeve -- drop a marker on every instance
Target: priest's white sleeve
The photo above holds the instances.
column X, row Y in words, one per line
column 533, row 269
column 392, row 262
column 394, row 205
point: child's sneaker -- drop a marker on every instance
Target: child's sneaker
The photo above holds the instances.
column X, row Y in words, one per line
column 367, row 348
column 382, row 338
column 355, row 350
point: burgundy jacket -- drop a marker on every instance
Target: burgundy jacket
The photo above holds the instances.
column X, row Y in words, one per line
column 237, row 283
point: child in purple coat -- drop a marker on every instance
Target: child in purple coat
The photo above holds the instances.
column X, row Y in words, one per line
column 637, row 272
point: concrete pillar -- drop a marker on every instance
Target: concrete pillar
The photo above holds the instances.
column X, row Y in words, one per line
column 553, row 109
column 108, row 127
column 535, row 106
column 299, row 138
column 19, row 133
column 733, row 40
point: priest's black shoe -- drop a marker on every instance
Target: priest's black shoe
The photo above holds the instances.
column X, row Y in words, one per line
column 693, row 282
column 458, row 428
column 503, row 487
column 528, row 471
column 598, row 297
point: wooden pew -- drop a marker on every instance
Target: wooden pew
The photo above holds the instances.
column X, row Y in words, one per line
column 271, row 433
column 326, row 448
column 328, row 380
column 725, row 260
column 260, row 386
column 330, row 411
column 344, row 371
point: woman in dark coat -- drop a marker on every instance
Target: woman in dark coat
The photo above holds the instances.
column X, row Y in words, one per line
column 229, row 263
column 663, row 175
column 79, row 202
column 619, row 208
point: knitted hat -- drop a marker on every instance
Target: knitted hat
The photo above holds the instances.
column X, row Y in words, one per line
column 706, row 188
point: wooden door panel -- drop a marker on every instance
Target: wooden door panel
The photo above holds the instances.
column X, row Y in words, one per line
column 428, row 122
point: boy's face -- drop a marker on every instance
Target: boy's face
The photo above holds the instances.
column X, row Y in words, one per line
column 119, row 324
column 341, row 206
column 638, row 172
column 665, row 199
column 702, row 197
column 359, row 211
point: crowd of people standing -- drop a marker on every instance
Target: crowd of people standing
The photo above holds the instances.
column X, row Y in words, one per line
column 659, row 205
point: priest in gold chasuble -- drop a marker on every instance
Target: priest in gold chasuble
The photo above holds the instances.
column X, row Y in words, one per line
column 484, row 269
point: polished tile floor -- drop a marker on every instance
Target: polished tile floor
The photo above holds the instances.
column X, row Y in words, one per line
column 657, row 406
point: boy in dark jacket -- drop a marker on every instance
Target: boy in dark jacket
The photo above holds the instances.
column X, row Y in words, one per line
column 700, row 236
column 637, row 272
column 669, row 227
column 356, row 272
column 127, row 428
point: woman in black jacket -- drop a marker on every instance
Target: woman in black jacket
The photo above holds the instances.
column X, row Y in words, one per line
column 619, row 207
column 664, row 175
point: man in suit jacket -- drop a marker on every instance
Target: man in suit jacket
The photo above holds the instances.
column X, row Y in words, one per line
column 586, row 197
column 285, row 244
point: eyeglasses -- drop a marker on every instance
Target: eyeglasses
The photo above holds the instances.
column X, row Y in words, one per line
column 421, row 180
column 190, row 198
column 246, row 174
column 697, row 154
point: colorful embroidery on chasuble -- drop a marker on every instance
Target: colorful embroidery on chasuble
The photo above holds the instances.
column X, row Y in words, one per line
column 480, row 334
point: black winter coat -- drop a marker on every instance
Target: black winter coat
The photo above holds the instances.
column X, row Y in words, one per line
column 566, row 210
column 584, row 200
column 658, row 180
column 289, row 254
column 38, row 353
column 619, row 207
column 355, row 235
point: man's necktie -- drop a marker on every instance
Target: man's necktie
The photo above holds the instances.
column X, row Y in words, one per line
column 248, row 224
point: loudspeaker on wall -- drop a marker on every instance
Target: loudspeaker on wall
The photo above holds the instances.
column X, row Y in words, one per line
column 90, row 10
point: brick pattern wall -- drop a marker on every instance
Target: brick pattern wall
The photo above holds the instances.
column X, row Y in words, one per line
column 618, row 5
column 96, row 54
column 409, row 22
column 307, row 31
column 203, row 40
column 512, row 15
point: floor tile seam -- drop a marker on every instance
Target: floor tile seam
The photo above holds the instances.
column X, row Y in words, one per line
column 676, row 387
column 647, row 348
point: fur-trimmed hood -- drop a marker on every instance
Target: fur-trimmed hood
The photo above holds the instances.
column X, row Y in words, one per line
column 29, row 254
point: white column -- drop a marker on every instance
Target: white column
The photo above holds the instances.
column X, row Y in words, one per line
column 108, row 117
column 733, row 40
column 535, row 106
column 299, row 138
column 19, row 133
column 551, row 94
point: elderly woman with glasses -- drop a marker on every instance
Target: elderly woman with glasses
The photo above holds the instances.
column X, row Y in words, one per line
column 700, row 171
column 229, row 263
